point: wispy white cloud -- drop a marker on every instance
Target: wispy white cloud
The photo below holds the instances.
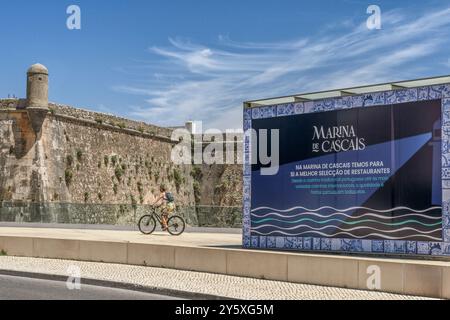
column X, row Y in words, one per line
column 447, row 63
column 190, row 81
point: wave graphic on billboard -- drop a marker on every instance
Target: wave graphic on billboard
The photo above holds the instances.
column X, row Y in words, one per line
column 418, row 224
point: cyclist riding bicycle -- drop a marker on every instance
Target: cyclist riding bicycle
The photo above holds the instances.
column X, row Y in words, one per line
column 166, row 202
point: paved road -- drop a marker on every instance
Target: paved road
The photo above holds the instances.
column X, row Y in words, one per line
column 111, row 227
column 19, row 288
column 197, row 239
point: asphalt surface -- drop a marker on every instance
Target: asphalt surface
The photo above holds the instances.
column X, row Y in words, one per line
column 20, row 288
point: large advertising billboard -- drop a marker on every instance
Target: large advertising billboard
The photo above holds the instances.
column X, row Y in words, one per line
column 363, row 173
column 366, row 178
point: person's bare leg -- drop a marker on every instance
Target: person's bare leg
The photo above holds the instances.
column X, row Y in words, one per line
column 164, row 222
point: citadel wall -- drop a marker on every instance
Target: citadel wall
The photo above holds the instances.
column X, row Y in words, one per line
column 79, row 166
column 84, row 163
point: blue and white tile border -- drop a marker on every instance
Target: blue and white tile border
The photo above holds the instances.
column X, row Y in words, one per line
column 351, row 245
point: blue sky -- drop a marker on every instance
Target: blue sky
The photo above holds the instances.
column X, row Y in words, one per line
column 169, row 61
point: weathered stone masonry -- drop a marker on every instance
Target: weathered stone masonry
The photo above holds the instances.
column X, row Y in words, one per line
column 63, row 164
column 57, row 154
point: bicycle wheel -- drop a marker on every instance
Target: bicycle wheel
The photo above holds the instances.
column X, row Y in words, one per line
column 176, row 225
column 147, row 224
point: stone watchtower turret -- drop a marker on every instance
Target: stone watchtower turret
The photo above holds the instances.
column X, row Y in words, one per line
column 37, row 96
column 37, row 87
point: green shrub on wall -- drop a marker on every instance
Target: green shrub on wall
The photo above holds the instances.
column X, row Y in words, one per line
column 196, row 173
column 177, row 178
column 133, row 202
column 197, row 192
column 69, row 160
column 68, row 177
column 79, row 155
column 119, row 173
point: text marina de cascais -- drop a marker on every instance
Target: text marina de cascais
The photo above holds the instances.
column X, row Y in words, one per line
column 336, row 139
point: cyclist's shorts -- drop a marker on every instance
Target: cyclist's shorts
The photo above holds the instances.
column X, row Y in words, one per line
column 169, row 208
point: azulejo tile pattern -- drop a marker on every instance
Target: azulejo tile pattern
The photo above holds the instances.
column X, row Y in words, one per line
column 350, row 245
column 285, row 110
column 374, row 99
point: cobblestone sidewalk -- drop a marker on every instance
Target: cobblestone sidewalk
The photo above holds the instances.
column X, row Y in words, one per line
column 194, row 282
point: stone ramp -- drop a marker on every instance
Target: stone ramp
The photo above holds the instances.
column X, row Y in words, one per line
column 221, row 253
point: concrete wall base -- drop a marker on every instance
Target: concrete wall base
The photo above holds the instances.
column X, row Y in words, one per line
column 402, row 276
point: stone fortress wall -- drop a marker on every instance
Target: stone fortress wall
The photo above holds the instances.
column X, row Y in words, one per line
column 63, row 164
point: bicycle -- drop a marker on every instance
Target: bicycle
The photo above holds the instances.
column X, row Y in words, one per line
column 147, row 223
